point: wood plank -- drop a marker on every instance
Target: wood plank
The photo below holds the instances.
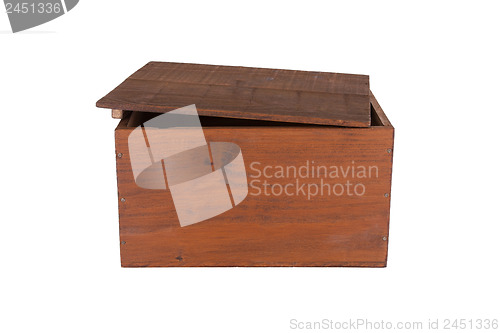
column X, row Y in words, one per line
column 246, row 93
column 267, row 230
column 378, row 109
column 116, row 114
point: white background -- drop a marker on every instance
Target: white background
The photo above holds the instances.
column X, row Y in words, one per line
column 434, row 67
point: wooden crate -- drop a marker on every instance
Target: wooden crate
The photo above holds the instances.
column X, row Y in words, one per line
column 328, row 124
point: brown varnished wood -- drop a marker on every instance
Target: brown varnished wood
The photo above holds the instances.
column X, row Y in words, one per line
column 246, row 93
column 380, row 113
column 262, row 230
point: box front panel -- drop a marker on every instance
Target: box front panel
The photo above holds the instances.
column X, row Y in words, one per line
column 317, row 196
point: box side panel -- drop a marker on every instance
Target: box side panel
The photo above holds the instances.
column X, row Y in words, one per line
column 288, row 218
column 378, row 110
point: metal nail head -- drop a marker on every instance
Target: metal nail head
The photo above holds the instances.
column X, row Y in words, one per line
column 122, row 199
column 120, row 155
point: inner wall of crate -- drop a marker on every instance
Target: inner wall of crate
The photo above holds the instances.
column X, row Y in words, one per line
column 137, row 118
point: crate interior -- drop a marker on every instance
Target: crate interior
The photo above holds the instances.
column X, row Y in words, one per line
column 137, row 118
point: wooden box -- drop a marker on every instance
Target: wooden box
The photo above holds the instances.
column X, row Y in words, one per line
column 317, row 151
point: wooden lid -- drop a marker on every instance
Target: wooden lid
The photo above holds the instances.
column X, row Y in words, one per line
column 246, row 93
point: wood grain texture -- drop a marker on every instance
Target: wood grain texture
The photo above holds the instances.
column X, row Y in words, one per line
column 246, row 93
column 268, row 230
